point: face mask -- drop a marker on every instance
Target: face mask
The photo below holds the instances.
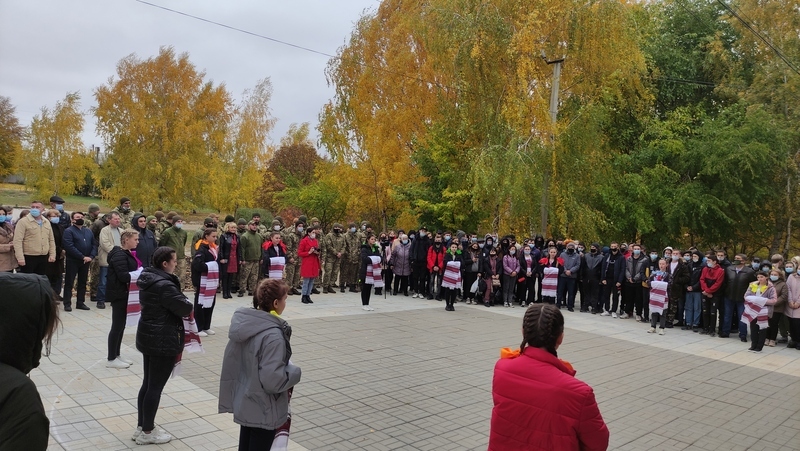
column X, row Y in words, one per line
column 277, row 227
column 624, row 249
column 594, row 251
column 653, row 257
column 527, row 252
column 79, row 222
column 474, row 240
column 179, row 225
column 9, row 218
column 312, row 235
column 755, row 265
column 687, row 258
column 488, row 242
column 337, row 231
column 54, row 220
column 480, row 245
column 352, row 229
column 35, row 212
column 151, row 226
column 636, row 252
column 493, row 254
column 300, row 229
column 774, row 278
column 614, row 250
column 363, row 228
column 570, row 251
column 789, row 270
column 580, row 249
column 125, row 210
column 710, row 264
column 447, row 237
column 437, row 243
column 512, row 252
column 60, row 207
column 695, row 259
column 676, row 258
column 2, row 218
column 404, row 241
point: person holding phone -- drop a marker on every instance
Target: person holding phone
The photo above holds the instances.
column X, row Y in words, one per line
column 308, row 251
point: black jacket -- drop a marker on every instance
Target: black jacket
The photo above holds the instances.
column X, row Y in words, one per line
column 486, row 266
column 202, row 255
column 615, row 274
column 79, row 243
column 695, row 272
column 366, row 253
column 592, row 267
column 226, row 244
column 26, row 301
column 680, row 278
column 466, row 261
column 736, row 282
column 147, row 243
column 160, row 330
column 419, row 250
column 523, row 265
column 270, row 252
column 120, row 264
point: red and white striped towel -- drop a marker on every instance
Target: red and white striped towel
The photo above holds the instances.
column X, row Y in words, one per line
column 373, row 276
column 452, row 275
column 134, row 307
column 276, row 265
column 191, row 342
column 208, row 285
column 755, row 308
column 550, row 282
column 281, row 441
column 658, row 296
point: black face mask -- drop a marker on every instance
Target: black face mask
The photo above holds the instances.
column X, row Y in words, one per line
column 79, row 222
column 594, row 251
column 437, row 243
column 570, row 251
column 614, row 250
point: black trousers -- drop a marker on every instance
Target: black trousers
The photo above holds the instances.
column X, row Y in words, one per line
column 255, row 439
column 772, row 332
column 80, row 269
column 420, row 276
column 35, row 264
column 526, row 291
column 202, row 316
column 469, row 279
column 591, row 291
column 710, row 313
column 632, row 297
column 157, row 370
column 449, row 295
column 757, row 336
column 610, row 290
column 366, row 292
column 401, row 284
column 119, row 313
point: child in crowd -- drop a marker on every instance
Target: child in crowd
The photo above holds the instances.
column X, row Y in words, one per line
column 658, row 283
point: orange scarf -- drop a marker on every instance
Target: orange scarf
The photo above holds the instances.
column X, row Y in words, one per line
column 508, row 353
column 210, row 245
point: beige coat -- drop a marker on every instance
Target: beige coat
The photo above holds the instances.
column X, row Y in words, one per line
column 8, row 260
column 108, row 239
column 30, row 238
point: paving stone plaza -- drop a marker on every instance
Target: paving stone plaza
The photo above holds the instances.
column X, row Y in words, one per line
column 411, row 376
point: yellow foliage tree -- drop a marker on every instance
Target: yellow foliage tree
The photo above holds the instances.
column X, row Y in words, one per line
column 55, row 160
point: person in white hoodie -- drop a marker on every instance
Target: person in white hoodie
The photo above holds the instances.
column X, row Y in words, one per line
column 257, row 373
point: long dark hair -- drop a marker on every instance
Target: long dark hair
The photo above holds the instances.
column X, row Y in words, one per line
column 541, row 327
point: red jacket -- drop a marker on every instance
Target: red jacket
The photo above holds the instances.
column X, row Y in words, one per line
column 436, row 258
column 539, row 405
column 711, row 279
column 309, row 263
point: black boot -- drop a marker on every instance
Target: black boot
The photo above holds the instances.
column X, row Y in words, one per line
column 353, row 288
column 342, row 289
column 308, row 300
column 379, row 291
column 303, row 299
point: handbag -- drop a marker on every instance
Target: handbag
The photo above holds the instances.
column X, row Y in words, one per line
column 495, row 282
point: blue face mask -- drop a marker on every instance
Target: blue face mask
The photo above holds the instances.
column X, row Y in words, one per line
column 636, row 252
column 179, row 225
column 686, row 258
column 774, row 278
column 653, row 256
column 54, row 220
column 755, row 265
column 60, row 207
column 35, row 212
column 9, row 218
column 2, row 218
column 405, row 241
column 789, row 270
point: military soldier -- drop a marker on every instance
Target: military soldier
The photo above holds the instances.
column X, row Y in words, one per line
column 164, row 224
column 291, row 239
column 333, row 251
column 175, row 237
column 261, row 229
column 125, row 212
column 351, row 259
column 208, row 223
column 94, row 268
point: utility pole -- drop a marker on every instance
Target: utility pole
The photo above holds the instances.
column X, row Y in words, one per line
column 553, row 117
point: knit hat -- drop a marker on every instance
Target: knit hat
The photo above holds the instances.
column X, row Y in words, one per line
column 123, row 200
column 303, row 219
column 171, row 215
column 150, row 218
column 93, row 208
column 159, row 214
column 313, row 220
column 229, row 218
column 280, row 220
column 208, row 222
column 275, row 222
column 241, row 221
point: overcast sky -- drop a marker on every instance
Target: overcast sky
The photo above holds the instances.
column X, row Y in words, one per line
column 51, row 47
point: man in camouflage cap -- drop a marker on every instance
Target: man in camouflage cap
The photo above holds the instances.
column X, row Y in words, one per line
column 165, row 223
column 351, row 259
column 333, row 251
column 125, row 212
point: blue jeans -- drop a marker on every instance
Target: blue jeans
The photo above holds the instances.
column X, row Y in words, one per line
column 728, row 318
column 567, row 286
column 693, row 308
column 101, row 286
column 308, row 285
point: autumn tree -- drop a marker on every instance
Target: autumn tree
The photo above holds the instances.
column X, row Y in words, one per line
column 291, row 166
column 55, row 160
column 11, row 134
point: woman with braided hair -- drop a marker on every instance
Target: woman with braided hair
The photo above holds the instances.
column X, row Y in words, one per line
column 538, row 402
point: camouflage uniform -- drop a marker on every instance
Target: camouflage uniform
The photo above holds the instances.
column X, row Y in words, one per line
column 292, row 275
column 126, row 217
column 164, row 224
column 350, row 260
column 332, row 244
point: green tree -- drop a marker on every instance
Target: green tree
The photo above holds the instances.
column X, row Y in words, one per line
column 11, row 134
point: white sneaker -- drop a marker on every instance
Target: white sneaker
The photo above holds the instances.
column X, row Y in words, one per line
column 202, row 333
column 605, row 314
column 370, row 308
column 156, row 436
column 137, row 433
column 117, row 363
column 365, row 308
column 652, row 330
column 638, row 318
column 124, row 360
column 414, row 296
column 210, row 332
column 614, row 315
column 624, row 316
column 661, row 331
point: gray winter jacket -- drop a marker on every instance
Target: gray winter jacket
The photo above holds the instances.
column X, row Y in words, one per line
column 572, row 263
column 256, row 372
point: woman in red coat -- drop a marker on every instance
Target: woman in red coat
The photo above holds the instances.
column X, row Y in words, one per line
column 308, row 251
column 538, row 403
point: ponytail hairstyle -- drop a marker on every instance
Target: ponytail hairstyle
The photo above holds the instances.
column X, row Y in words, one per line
column 541, row 327
column 267, row 292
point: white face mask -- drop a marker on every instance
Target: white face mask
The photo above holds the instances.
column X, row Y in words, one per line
column 312, row 235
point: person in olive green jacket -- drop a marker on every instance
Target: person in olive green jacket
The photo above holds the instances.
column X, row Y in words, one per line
column 251, row 242
column 175, row 238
